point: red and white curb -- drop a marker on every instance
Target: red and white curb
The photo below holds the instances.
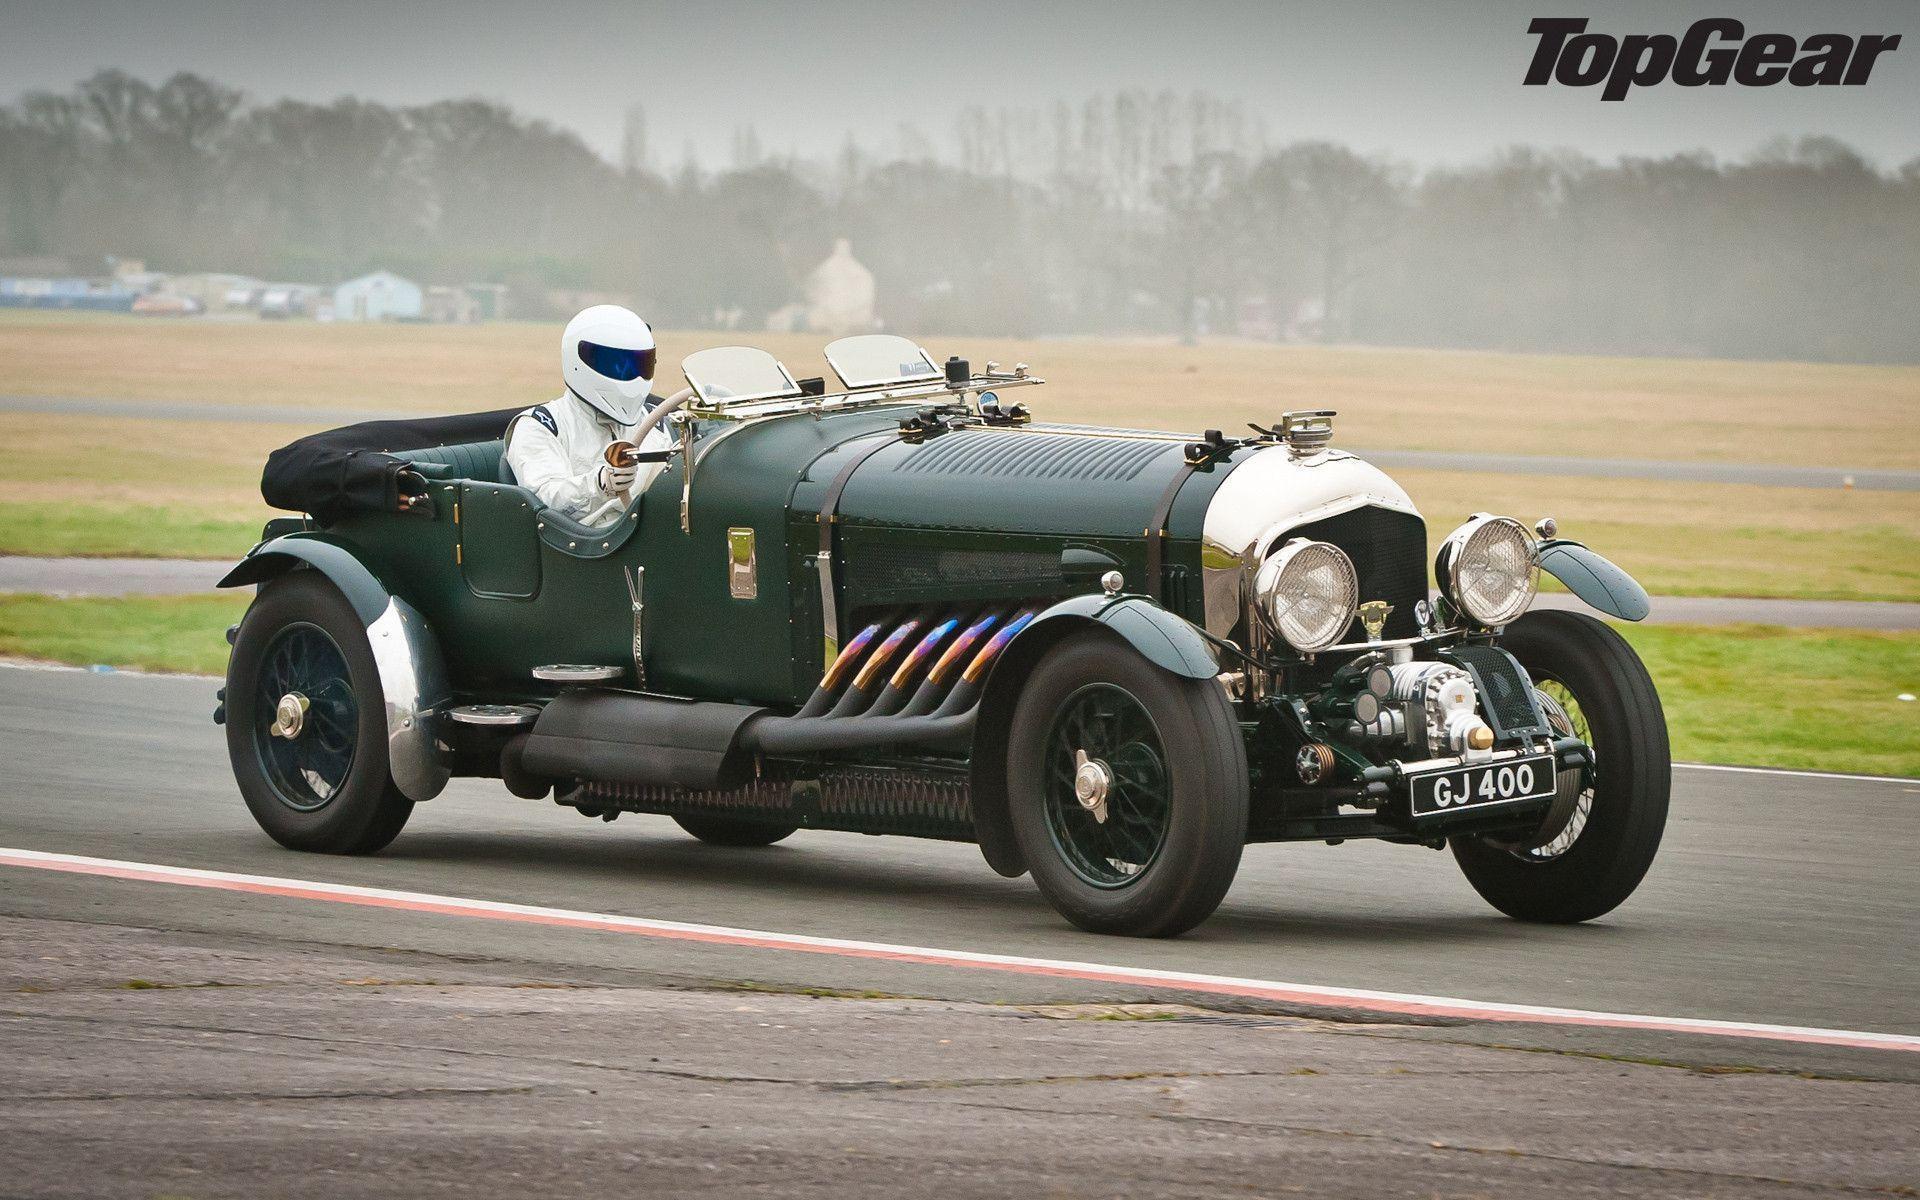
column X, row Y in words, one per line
column 1306, row 995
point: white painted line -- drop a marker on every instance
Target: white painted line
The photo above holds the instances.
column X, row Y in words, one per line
column 1299, row 994
column 1841, row 775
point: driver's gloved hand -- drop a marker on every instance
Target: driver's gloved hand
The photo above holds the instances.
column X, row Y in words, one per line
column 614, row 480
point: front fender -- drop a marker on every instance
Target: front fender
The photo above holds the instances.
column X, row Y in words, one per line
column 1594, row 579
column 406, row 655
column 1164, row 639
column 1161, row 637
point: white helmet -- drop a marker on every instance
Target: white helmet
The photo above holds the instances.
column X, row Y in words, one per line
column 607, row 359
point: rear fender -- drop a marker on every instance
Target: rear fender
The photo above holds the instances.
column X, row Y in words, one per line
column 413, row 673
column 1162, row 638
column 276, row 556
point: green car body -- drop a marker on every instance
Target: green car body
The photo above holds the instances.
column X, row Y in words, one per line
column 881, row 528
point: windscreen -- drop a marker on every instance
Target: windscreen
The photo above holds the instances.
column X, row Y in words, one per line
column 875, row 359
column 730, row 374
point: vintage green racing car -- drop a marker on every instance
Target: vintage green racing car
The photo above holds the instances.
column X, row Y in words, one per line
column 1109, row 657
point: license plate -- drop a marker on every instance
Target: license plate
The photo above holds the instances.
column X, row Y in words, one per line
column 1508, row 782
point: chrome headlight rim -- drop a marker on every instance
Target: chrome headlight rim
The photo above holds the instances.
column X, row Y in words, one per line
column 1465, row 544
column 1280, row 587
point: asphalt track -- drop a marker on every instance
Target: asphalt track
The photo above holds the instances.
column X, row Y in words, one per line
column 400, row 1049
column 1756, row 474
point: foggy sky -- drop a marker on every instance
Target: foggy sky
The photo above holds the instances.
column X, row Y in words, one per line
column 1423, row 80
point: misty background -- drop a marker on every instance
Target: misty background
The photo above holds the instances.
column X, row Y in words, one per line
column 1368, row 172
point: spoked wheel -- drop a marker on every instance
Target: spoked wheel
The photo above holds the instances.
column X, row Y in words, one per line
column 304, row 699
column 1109, row 799
column 1573, row 805
column 1600, row 837
column 306, row 722
column 1127, row 789
column 732, row 831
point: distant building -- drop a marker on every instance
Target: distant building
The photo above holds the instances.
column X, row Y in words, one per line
column 286, row 301
column 381, row 296
column 840, row 294
column 215, row 290
column 132, row 274
column 449, row 306
column 490, row 301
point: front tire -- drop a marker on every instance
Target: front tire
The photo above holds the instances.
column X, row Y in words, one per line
column 321, row 782
column 1592, row 866
column 1164, row 755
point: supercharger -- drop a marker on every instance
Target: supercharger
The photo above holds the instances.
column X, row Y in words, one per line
column 1429, row 706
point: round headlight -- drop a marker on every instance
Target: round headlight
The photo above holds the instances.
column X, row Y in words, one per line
column 1486, row 568
column 1308, row 591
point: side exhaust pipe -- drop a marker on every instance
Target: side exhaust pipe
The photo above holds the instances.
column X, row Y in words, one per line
column 611, row 736
column 934, row 688
column 948, row 726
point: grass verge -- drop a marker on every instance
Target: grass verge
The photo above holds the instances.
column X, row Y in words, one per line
column 1767, row 696
column 153, row 633
column 95, row 531
column 1813, row 699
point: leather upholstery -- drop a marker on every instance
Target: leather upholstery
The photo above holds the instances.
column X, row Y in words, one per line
column 478, row 461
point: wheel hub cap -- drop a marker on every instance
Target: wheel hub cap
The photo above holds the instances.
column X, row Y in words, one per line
column 290, row 716
column 1091, row 781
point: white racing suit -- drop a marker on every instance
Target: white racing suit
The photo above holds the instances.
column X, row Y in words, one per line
column 557, row 451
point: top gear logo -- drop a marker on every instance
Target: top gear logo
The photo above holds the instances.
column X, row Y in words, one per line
column 1710, row 53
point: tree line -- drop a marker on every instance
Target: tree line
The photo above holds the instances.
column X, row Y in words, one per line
column 1130, row 213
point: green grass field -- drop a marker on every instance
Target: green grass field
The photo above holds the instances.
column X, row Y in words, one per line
column 132, row 531
column 1810, row 699
column 1755, row 695
column 150, row 633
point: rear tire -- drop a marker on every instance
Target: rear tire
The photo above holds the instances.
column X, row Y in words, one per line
column 1625, row 813
column 732, row 831
column 1170, row 752
column 327, row 788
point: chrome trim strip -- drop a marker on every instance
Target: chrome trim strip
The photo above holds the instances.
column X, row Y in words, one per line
column 743, row 578
column 737, row 410
column 829, row 615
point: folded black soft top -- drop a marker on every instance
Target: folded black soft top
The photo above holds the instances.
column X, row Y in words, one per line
column 358, row 468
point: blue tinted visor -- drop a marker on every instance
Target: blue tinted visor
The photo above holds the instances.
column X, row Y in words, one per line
column 616, row 363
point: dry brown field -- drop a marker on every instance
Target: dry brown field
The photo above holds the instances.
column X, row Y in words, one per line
column 1682, row 538
column 1691, row 409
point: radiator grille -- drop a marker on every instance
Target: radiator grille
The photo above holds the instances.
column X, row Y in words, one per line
column 1389, row 553
column 1034, row 456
